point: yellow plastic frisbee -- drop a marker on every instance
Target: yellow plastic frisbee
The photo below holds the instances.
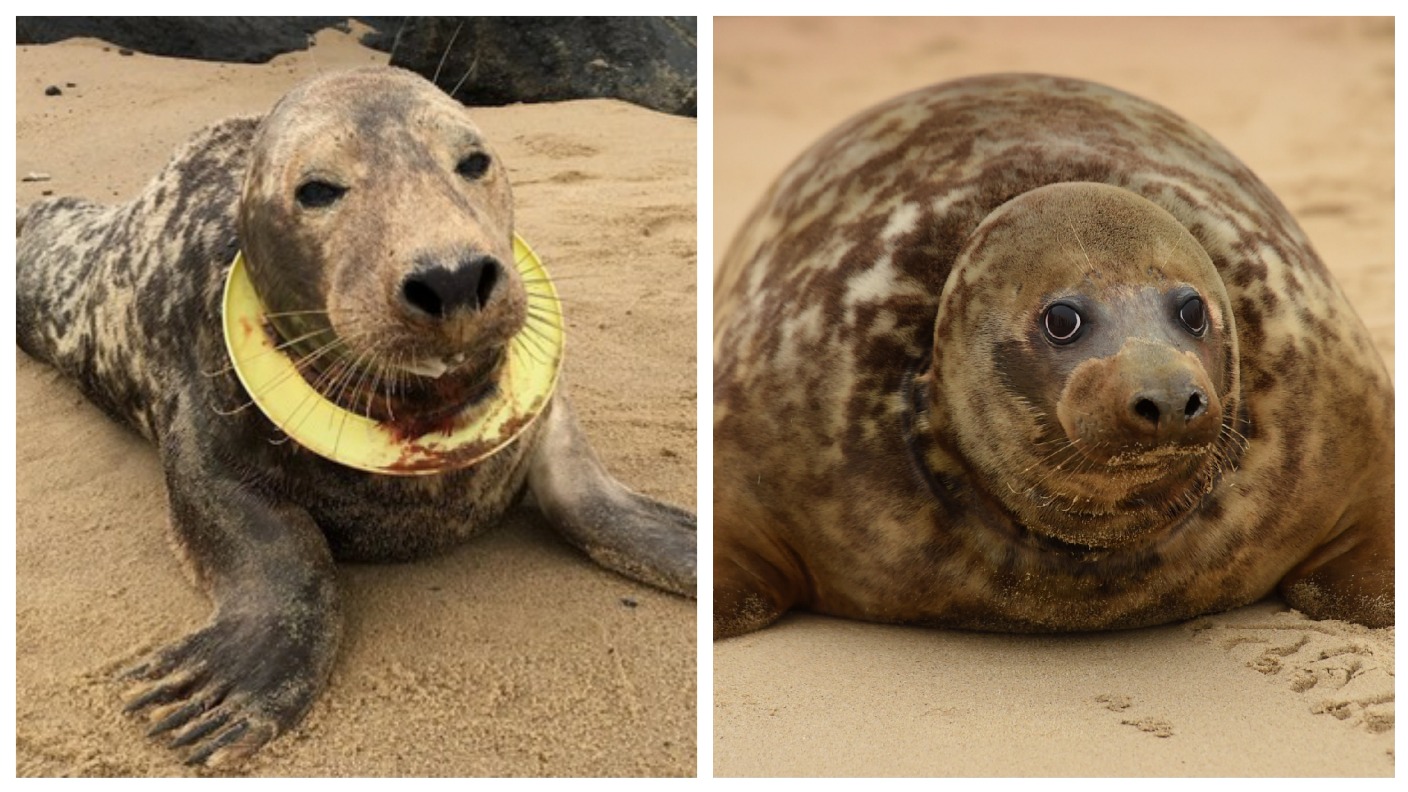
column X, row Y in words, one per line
column 525, row 385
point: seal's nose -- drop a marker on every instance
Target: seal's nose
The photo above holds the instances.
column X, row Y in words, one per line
column 439, row 292
column 1168, row 411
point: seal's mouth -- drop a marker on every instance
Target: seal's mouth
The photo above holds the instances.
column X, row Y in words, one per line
column 406, row 414
column 1160, row 459
column 1122, row 499
column 416, row 403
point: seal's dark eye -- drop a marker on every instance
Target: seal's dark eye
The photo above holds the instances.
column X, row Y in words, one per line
column 1063, row 323
column 473, row 166
column 317, row 194
column 1192, row 315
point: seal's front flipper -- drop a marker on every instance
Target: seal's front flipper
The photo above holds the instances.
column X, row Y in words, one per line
column 756, row 578
column 624, row 531
column 1350, row 577
column 222, row 692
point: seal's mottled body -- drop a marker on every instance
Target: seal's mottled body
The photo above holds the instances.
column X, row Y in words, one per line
column 860, row 472
column 368, row 207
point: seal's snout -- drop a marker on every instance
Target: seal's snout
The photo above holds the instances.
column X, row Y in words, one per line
column 438, row 292
column 1145, row 397
column 1168, row 412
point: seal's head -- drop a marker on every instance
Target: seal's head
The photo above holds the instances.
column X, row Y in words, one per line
column 1096, row 387
column 377, row 228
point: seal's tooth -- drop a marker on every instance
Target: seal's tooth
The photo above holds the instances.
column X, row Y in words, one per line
column 433, row 368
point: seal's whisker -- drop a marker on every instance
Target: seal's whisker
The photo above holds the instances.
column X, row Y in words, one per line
column 325, row 379
column 308, row 312
column 540, row 292
column 318, row 353
column 521, row 346
column 338, row 389
column 236, row 411
column 264, row 388
column 301, row 365
column 1043, row 484
column 386, row 372
column 542, row 309
column 1089, row 265
column 473, row 66
column 310, row 399
column 291, row 428
column 446, row 54
column 398, row 375
column 539, row 324
column 574, row 276
column 371, row 375
column 390, row 408
column 396, row 42
column 529, row 341
column 328, row 384
column 373, row 368
column 1083, row 464
column 1065, row 444
column 536, row 337
column 554, row 302
column 230, row 366
column 341, row 429
column 317, row 385
column 535, row 301
column 362, row 374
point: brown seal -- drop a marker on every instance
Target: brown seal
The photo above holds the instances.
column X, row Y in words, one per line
column 1030, row 354
column 377, row 227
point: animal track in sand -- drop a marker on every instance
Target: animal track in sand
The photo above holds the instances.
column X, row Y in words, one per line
column 557, row 146
column 1114, row 702
column 1343, row 670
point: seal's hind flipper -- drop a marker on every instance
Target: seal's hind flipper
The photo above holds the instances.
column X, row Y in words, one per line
column 624, row 531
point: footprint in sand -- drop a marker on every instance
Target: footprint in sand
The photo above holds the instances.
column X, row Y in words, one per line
column 1343, row 670
column 1159, row 727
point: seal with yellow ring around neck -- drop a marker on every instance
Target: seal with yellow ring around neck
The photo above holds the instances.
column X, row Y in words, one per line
column 375, row 230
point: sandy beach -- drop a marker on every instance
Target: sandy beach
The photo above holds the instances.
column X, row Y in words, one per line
column 1261, row 691
column 513, row 655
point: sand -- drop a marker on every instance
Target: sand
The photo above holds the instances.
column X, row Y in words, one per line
column 513, row 655
column 1308, row 104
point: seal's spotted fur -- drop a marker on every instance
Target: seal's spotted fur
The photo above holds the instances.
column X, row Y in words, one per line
column 842, row 483
column 126, row 300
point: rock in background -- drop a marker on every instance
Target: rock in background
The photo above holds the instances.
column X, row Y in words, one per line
column 230, row 39
column 649, row 61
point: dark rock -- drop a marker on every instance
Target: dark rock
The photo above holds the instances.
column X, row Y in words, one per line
column 649, row 61
column 53, row 90
column 233, row 39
